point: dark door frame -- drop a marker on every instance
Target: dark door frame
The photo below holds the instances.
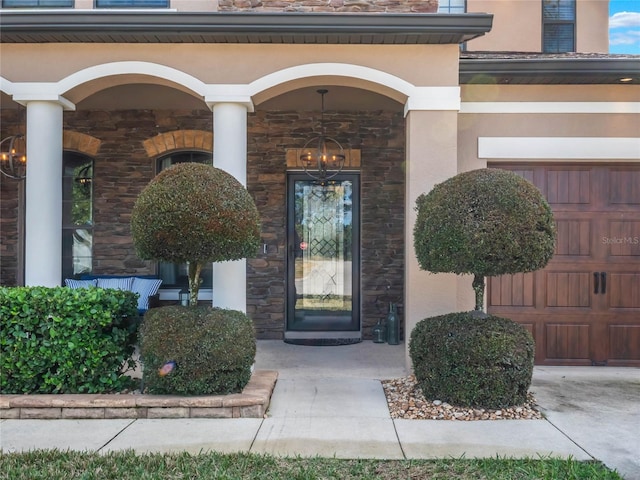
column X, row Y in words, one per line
column 326, row 337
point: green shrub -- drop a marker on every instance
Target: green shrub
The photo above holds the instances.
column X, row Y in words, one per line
column 198, row 214
column 487, row 222
column 470, row 361
column 484, row 222
column 61, row 340
column 213, row 350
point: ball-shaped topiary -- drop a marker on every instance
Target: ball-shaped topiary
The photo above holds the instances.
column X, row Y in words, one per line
column 472, row 362
column 196, row 351
column 484, row 222
column 195, row 213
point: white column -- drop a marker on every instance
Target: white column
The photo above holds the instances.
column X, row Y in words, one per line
column 43, row 209
column 230, row 155
column 431, row 158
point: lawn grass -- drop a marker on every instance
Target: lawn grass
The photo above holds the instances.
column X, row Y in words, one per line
column 68, row 465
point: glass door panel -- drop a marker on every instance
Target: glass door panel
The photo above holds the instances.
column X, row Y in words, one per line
column 323, row 263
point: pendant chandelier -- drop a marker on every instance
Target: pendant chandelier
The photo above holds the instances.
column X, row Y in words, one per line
column 322, row 157
column 13, row 157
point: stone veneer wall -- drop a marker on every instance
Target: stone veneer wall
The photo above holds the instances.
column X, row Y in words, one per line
column 331, row 6
column 380, row 137
column 123, row 168
column 12, row 124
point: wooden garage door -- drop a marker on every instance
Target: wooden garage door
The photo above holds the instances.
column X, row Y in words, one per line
column 584, row 307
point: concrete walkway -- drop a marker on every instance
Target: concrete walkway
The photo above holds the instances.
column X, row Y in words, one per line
column 328, row 401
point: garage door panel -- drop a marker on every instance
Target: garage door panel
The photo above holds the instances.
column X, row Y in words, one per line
column 624, row 291
column 624, row 187
column 530, row 327
column 573, row 238
column 624, row 341
column 568, row 342
column 623, row 239
column 513, row 290
column 528, row 174
column 568, row 186
column 568, row 289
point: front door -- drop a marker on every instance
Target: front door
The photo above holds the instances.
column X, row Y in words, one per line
column 323, row 262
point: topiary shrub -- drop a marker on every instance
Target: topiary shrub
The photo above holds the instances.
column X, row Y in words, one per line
column 198, row 214
column 196, row 350
column 484, row 222
column 475, row 362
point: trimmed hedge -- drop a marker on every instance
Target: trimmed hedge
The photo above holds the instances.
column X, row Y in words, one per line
column 194, row 212
column 204, row 350
column 469, row 361
column 485, row 222
column 197, row 214
column 62, row 340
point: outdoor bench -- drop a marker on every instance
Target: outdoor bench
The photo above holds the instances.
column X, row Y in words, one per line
column 146, row 286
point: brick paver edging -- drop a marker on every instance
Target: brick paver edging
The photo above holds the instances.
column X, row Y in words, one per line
column 251, row 403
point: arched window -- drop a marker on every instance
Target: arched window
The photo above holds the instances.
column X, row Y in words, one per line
column 175, row 275
column 77, row 214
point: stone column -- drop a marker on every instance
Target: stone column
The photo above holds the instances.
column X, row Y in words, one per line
column 43, row 212
column 230, row 155
column 431, row 154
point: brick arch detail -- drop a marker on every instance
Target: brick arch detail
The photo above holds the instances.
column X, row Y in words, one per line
column 179, row 140
column 81, row 142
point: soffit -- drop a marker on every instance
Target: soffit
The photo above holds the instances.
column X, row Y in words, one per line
column 513, row 68
column 187, row 27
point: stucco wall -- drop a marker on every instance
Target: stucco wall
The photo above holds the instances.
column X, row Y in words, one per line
column 592, row 26
column 431, row 153
column 421, row 65
column 517, row 26
column 550, row 93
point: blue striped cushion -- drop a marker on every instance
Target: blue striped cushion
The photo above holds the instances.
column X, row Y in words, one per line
column 72, row 283
column 117, row 283
column 146, row 287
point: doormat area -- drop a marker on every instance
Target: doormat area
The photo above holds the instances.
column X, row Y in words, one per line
column 251, row 403
column 322, row 342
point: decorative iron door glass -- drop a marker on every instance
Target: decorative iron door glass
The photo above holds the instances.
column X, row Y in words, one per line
column 323, row 255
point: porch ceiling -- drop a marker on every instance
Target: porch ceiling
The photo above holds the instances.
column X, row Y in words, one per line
column 293, row 27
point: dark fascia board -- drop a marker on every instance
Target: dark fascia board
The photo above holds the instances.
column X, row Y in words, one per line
column 140, row 26
column 565, row 70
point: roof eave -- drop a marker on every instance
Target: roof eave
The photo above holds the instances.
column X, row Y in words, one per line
column 159, row 27
column 549, row 71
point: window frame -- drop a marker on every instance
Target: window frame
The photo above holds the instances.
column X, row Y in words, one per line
column 86, row 164
column 38, row 3
column 447, row 9
column 104, row 4
column 551, row 22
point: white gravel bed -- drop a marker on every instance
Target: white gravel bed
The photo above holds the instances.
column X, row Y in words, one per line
column 405, row 400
